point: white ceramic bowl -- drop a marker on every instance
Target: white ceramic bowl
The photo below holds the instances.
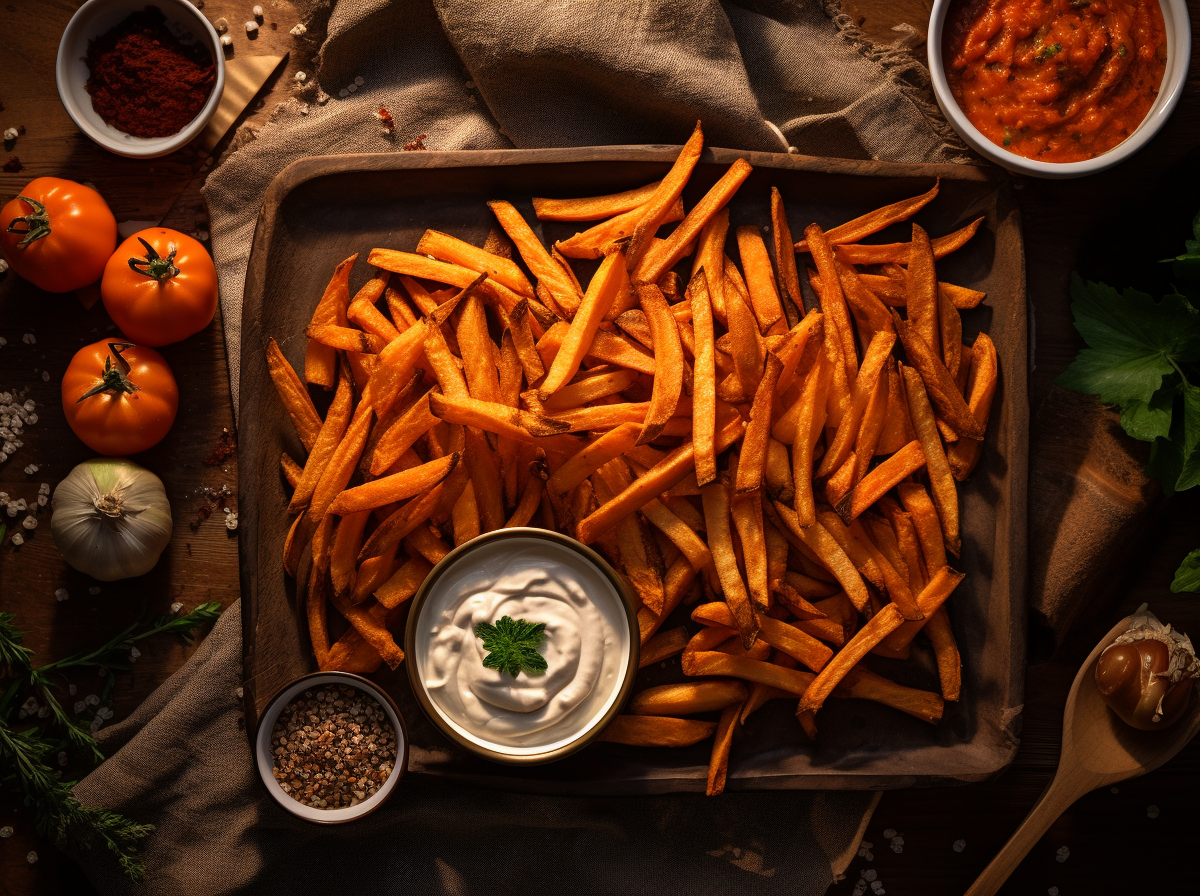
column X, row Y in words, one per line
column 266, row 762
column 96, row 17
column 1179, row 53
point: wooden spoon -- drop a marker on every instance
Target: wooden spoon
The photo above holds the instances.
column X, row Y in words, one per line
column 1098, row 749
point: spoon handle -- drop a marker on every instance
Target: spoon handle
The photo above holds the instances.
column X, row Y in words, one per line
column 1055, row 799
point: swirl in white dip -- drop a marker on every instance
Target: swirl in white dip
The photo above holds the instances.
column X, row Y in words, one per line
column 586, row 644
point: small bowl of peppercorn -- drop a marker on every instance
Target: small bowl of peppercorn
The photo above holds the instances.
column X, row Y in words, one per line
column 142, row 80
column 331, row 747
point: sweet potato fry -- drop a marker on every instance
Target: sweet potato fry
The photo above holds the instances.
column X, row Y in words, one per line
column 413, row 265
column 320, row 361
column 654, row 212
column 592, row 457
column 715, row 496
column 687, row 697
column 346, row 545
column 397, row 487
column 403, row 583
column 345, row 338
column 718, row 763
column 292, row 471
column 945, row 650
column 810, row 421
column 640, row 557
column 950, row 325
column 373, row 631
column 450, row 249
column 400, row 523
column 490, row 417
column 897, row 426
column 424, row 542
column 875, row 221
column 941, row 586
column 866, row 685
column 588, row 389
column 874, row 363
column 922, row 291
column 543, row 267
column 531, row 499
column 746, row 341
column 294, row 396
column 526, row 346
column 606, row 347
column 704, row 383
column 753, row 458
column 881, row 480
column 778, row 472
column 668, row 356
column 748, row 521
column 478, row 351
column 599, row 297
column 662, row 646
column 592, row 208
column 328, row 439
column 876, row 629
column 464, row 518
column 663, row 256
column 656, row 731
column 710, row 257
column 963, row 455
column 941, row 481
column 860, row 298
column 782, row 636
column 882, row 253
column 925, row 520
column 680, row 576
column 822, row 544
column 760, row 279
column 833, row 301
column 785, row 255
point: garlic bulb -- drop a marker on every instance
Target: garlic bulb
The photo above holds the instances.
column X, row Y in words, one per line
column 111, row 519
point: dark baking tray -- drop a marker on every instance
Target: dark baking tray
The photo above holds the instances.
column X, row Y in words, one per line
column 318, row 211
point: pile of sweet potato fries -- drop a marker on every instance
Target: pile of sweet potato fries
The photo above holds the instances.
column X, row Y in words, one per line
column 792, row 475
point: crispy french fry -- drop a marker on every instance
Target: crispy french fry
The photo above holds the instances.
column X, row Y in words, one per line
column 743, row 331
column 676, row 582
column 945, row 493
column 292, row 471
column 945, row 650
column 875, row 221
column 318, row 591
column 753, row 458
column 718, row 763
column 592, row 457
column 543, row 267
column 478, row 351
column 450, row 249
column 778, row 472
column 606, row 347
column 822, row 544
column 582, row 391
column 748, row 521
column 373, row 631
column 811, row 419
column 640, row 557
column 833, row 301
column 579, row 337
column 669, row 191
column 294, row 396
column 963, row 455
column 592, row 208
column 320, row 361
column 328, row 439
column 704, row 383
column 346, row 545
column 687, row 697
column 785, row 255
column 662, row 646
column 345, row 338
column 664, row 256
column 400, row 523
column 877, row 628
column 710, row 257
column 874, row 363
column 656, row 731
column 897, row 425
column 531, row 499
column 491, row 417
column 668, row 356
column 941, row 586
column 423, row 541
column 925, row 520
column 782, row 636
column 882, row 253
column 715, row 496
column 526, row 346
column 397, row 487
column 403, row 583
column 950, row 325
column 760, row 279
column 922, row 291
column 881, row 480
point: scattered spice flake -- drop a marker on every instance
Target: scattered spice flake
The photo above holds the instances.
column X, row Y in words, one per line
column 14, row 165
column 417, row 144
column 224, row 449
column 389, row 123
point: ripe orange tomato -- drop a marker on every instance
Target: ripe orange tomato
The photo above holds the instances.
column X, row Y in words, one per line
column 118, row 397
column 160, row 286
column 57, row 234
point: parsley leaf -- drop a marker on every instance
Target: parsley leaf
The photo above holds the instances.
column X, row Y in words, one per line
column 1187, row 577
column 1133, row 341
column 1186, row 267
column 513, row 645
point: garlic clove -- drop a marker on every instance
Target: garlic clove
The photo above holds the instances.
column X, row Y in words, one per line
column 1145, row 676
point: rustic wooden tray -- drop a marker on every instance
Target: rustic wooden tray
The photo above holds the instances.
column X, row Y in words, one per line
column 318, row 211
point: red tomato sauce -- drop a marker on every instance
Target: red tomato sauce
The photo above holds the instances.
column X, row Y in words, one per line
column 1055, row 80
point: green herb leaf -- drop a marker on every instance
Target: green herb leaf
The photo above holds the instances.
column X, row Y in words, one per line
column 513, row 645
column 1133, row 341
column 1186, row 267
column 1187, row 577
column 1147, row 421
column 1175, row 461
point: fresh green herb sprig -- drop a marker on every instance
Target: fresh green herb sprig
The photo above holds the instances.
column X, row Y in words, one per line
column 513, row 645
column 1143, row 358
column 25, row 754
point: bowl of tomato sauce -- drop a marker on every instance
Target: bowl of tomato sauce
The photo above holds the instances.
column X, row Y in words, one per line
column 1058, row 88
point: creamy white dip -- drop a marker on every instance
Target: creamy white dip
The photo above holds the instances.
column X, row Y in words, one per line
column 586, row 645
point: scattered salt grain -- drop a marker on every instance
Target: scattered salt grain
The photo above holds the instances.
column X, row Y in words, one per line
column 29, row 339
column 42, row 500
column 6, row 832
column 860, row 888
column 251, row 27
column 80, row 706
column 226, row 40
column 31, row 469
column 18, row 539
column 343, row 92
column 222, row 25
column 1152, row 811
column 43, row 712
column 238, row 691
column 301, row 77
column 45, row 376
column 61, row 594
column 358, row 81
column 890, row 833
column 351, row 88
column 176, row 607
column 11, row 134
column 959, row 845
column 231, row 522
column 298, row 30
column 30, row 522
column 258, row 12
column 31, row 857
column 870, row 874
column 1063, row 854
column 22, row 504
column 3, row 268
column 134, row 653
column 876, row 887
column 71, row 689
column 94, row 590
column 44, row 488
column 30, row 705
column 91, row 700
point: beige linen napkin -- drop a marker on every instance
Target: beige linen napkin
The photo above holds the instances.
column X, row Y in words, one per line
column 762, row 76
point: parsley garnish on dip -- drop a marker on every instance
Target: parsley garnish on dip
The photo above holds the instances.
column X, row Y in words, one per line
column 499, row 681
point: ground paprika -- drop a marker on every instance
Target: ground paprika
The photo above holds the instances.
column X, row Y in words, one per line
column 144, row 80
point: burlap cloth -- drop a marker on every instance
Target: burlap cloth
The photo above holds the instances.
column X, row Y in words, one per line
column 473, row 75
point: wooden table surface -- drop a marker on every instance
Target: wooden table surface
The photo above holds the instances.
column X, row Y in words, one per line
column 1067, row 223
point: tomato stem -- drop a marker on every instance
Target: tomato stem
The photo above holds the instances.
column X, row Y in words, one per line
column 153, row 265
column 37, row 224
column 114, row 379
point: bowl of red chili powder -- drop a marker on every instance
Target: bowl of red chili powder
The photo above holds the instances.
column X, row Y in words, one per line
column 141, row 79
